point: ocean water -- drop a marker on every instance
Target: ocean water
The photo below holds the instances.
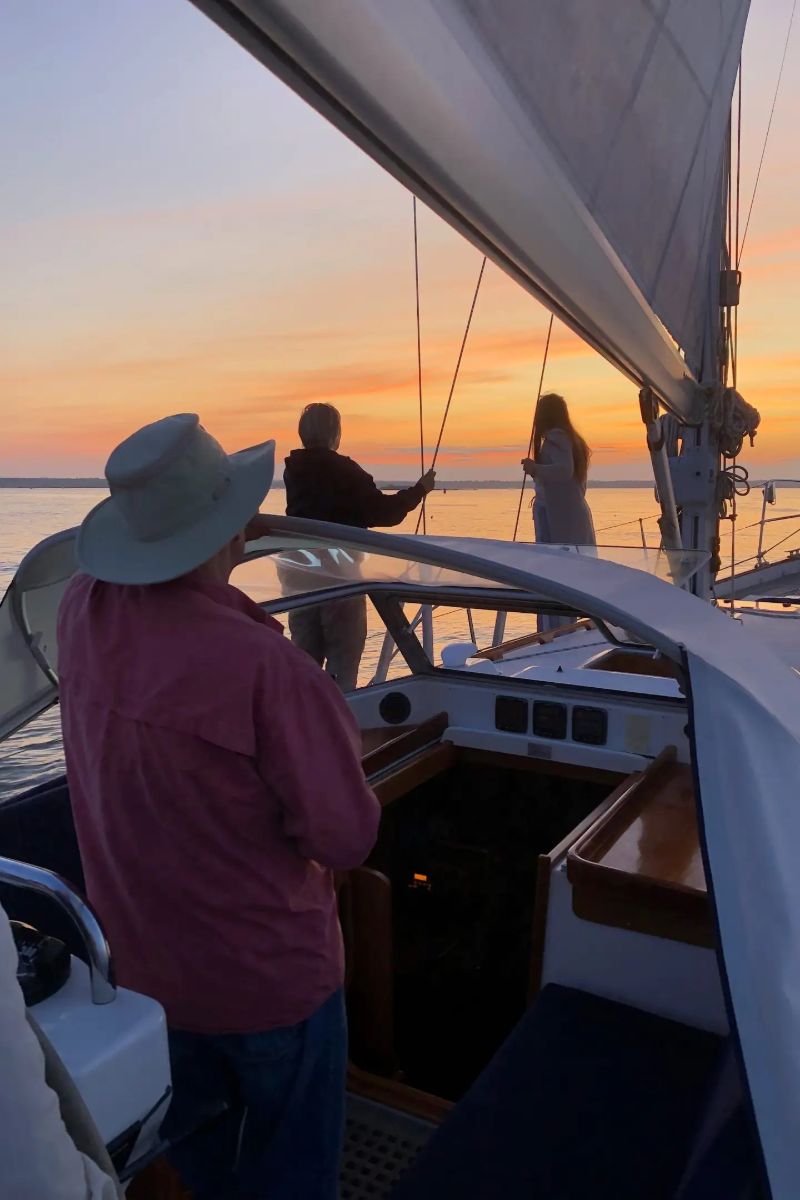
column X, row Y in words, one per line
column 28, row 515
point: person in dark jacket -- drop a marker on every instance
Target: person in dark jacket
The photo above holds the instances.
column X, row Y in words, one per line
column 324, row 485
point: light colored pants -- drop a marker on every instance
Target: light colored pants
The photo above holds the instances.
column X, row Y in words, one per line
column 334, row 635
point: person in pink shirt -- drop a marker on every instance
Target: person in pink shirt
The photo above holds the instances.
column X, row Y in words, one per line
column 216, row 783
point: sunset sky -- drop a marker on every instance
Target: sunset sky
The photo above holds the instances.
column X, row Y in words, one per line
column 180, row 232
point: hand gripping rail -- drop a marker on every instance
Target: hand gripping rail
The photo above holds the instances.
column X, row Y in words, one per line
column 47, row 883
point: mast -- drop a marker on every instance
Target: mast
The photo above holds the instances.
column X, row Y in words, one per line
column 700, row 484
column 695, row 474
column 695, row 469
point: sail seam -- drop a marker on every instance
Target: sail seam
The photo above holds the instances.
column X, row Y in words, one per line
column 678, row 48
column 638, row 80
column 707, row 215
column 477, row 227
column 685, row 216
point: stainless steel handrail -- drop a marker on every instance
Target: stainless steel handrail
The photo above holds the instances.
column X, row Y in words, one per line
column 47, row 883
column 768, row 497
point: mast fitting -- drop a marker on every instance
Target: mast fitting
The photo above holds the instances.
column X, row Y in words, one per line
column 730, row 283
column 731, row 419
column 668, row 521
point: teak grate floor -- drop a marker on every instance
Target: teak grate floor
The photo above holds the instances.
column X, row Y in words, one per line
column 380, row 1145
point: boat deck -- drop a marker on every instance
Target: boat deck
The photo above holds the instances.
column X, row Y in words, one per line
column 380, row 1145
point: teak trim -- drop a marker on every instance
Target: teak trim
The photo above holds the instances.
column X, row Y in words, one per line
column 411, row 774
column 394, row 1093
column 370, row 992
column 493, row 653
column 623, row 899
column 635, row 662
column 546, row 865
column 376, row 736
column 404, row 743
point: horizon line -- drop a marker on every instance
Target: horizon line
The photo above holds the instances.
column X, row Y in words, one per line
column 89, row 481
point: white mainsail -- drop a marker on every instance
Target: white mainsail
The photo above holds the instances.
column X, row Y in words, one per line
column 580, row 143
column 633, row 100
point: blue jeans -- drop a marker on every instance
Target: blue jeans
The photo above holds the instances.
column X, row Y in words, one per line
column 281, row 1095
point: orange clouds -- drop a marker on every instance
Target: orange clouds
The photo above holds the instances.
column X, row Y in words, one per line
column 246, row 384
column 254, row 341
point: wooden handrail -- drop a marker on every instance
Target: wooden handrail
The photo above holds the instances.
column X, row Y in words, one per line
column 418, row 738
column 370, row 996
column 492, row 653
column 640, row 866
column 394, row 1093
column 632, row 787
column 413, row 772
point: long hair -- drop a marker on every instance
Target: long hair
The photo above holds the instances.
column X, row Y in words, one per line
column 552, row 413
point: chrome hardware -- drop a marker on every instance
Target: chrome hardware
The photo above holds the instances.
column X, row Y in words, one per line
column 47, row 883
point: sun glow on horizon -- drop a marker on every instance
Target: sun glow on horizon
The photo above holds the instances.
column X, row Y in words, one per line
column 189, row 236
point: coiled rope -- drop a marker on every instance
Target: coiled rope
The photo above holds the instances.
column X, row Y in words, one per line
column 732, row 481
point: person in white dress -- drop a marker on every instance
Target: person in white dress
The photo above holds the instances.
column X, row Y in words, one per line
column 559, row 469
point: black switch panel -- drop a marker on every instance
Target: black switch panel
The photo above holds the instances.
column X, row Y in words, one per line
column 549, row 719
column 590, row 726
column 511, row 714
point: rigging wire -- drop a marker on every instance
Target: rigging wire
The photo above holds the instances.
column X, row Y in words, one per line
column 422, row 516
column 774, row 545
column 733, row 534
column 738, row 161
column 533, row 425
column 738, row 214
column 726, row 318
column 751, row 557
column 766, row 135
column 772, row 521
column 623, row 524
column 453, row 382
column 733, row 481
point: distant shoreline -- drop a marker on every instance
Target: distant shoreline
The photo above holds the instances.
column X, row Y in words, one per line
column 455, row 485
column 443, row 485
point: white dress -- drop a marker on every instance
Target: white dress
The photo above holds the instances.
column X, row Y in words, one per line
column 38, row 1159
column 560, row 511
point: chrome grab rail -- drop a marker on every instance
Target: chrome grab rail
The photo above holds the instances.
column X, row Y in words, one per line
column 769, row 496
column 47, row 883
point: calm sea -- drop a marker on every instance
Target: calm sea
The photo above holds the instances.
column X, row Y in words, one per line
column 28, row 515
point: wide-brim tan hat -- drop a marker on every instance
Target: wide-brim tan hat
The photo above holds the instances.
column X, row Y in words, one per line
column 176, row 499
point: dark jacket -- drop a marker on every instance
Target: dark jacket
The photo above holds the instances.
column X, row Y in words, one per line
column 327, row 486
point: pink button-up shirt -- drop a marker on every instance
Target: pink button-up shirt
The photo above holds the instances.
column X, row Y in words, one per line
column 216, row 782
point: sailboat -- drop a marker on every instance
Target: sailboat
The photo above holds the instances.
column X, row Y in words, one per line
column 574, row 955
